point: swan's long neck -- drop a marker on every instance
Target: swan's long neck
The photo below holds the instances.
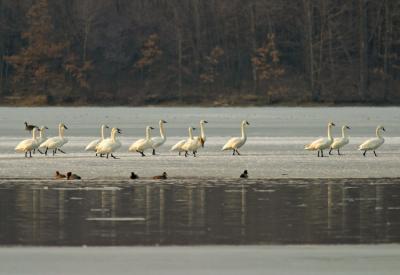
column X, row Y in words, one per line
column 42, row 133
column 378, row 133
column 329, row 132
column 61, row 131
column 113, row 135
column 34, row 133
column 190, row 133
column 148, row 134
column 202, row 133
column 244, row 136
column 344, row 132
column 102, row 131
column 162, row 131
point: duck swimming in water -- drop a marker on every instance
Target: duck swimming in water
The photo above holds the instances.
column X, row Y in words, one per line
column 133, row 176
column 71, row 176
column 59, row 176
column 161, row 177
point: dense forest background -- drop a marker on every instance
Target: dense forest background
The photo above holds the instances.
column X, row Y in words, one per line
column 205, row 52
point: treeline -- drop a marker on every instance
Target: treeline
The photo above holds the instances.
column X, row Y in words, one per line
column 211, row 52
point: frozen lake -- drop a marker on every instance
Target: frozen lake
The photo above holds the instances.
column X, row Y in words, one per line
column 209, row 260
column 274, row 148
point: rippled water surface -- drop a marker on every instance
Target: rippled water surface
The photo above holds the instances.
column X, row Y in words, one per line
column 196, row 211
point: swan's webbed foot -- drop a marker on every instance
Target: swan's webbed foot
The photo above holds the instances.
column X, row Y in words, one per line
column 375, row 154
column 61, row 151
column 143, row 155
column 114, row 157
column 365, row 152
column 330, row 152
column 154, row 152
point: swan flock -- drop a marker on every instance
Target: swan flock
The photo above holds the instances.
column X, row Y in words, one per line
column 105, row 147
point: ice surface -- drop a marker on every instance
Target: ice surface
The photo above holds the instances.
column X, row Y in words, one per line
column 274, row 148
column 282, row 260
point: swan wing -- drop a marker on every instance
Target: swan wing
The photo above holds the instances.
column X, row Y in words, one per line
column 178, row 145
column 51, row 143
column 157, row 141
column 26, row 145
column 138, row 145
column 313, row 145
column 92, row 145
column 232, row 143
column 339, row 143
column 371, row 144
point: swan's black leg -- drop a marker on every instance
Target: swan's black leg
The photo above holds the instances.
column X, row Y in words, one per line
column 322, row 153
column 233, row 152
column 237, row 152
column 114, row 156
column 40, row 151
column 330, row 151
column 107, row 156
column 179, row 152
column 143, row 155
column 30, row 154
column 26, row 154
column 45, row 152
column 34, row 151
column 375, row 154
column 364, row 153
column 194, row 153
column 338, row 152
column 96, row 154
column 186, row 153
column 54, row 151
column 154, row 151
column 318, row 153
column 61, row 151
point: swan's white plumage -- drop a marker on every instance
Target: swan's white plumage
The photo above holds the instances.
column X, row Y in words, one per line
column 178, row 146
column 144, row 143
column 56, row 142
column 93, row 144
column 339, row 142
column 202, row 138
column 28, row 145
column 237, row 142
column 158, row 141
column 109, row 145
column 321, row 143
column 42, row 137
column 373, row 143
column 191, row 143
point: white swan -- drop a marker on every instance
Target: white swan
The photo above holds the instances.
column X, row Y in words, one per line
column 55, row 143
column 191, row 143
column 373, row 143
column 202, row 138
column 322, row 143
column 142, row 144
column 109, row 145
column 237, row 142
column 158, row 141
column 92, row 145
column 28, row 145
column 340, row 141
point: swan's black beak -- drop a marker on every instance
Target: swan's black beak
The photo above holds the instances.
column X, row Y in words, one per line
column 163, row 121
column 119, row 131
column 46, row 128
column 107, row 127
column 247, row 123
column 65, row 126
column 205, row 121
column 333, row 124
column 151, row 128
column 194, row 128
column 383, row 129
column 347, row 127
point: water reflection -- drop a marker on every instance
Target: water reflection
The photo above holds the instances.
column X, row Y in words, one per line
column 200, row 212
